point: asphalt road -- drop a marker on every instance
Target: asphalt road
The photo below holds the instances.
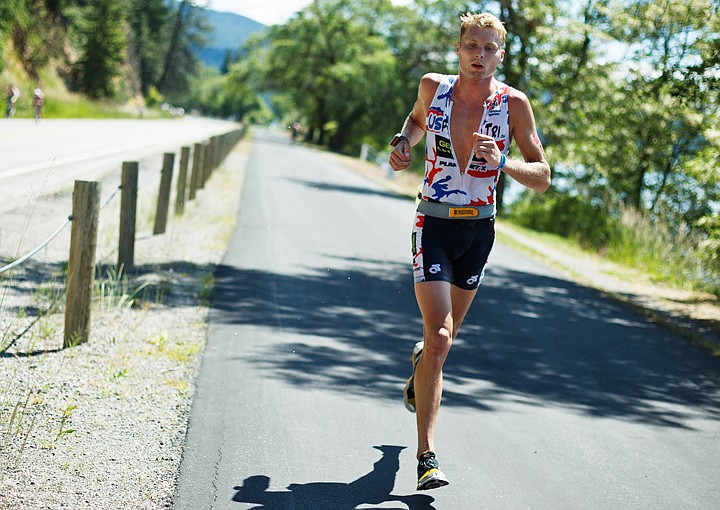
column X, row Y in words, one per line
column 47, row 157
column 39, row 163
column 555, row 397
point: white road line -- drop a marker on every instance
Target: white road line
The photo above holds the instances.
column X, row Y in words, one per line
column 73, row 159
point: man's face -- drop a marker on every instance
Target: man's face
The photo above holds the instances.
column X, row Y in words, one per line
column 479, row 52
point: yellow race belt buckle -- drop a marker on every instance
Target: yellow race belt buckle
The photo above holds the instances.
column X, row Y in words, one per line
column 464, row 212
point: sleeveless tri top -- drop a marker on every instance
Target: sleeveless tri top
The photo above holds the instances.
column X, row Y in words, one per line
column 444, row 181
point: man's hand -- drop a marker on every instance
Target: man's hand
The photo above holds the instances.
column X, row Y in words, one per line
column 486, row 148
column 400, row 156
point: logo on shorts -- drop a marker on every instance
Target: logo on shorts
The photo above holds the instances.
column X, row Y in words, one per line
column 435, row 269
column 473, row 280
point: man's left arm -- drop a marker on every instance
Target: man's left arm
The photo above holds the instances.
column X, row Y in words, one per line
column 534, row 171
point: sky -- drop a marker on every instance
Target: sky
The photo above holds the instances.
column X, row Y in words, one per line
column 267, row 12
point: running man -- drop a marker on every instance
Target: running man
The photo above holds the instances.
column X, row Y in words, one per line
column 469, row 120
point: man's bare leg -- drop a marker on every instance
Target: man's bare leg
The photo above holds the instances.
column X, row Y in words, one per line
column 443, row 307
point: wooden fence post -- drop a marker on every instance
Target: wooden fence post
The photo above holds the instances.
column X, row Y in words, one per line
column 81, row 264
column 128, row 213
column 197, row 170
column 207, row 163
column 215, row 153
column 164, row 195
column 182, row 180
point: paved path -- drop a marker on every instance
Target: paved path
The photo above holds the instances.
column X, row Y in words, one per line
column 556, row 398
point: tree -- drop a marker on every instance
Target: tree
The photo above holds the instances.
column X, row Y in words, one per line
column 332, row 60
column 102, row 32
column 149, row 22
column 190, row 30
column 228, row 60
column 34, row 33
column 669, row 98
column 8, row 10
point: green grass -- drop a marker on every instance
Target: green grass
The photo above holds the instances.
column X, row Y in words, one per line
column 116, row 292
column 668, row 253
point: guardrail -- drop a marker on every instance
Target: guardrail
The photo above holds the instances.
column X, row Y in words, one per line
column 206, row 157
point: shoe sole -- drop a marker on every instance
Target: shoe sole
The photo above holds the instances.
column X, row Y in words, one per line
column 410, row 406
column 433, row 479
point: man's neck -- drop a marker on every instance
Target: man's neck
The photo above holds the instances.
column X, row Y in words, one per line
column 474, row 91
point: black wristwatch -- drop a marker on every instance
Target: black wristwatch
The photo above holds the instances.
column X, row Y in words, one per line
column 398, row 138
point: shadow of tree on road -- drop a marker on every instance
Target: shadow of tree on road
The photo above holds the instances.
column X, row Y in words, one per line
column 373, row 488
column 365, row 191
column 528, row 338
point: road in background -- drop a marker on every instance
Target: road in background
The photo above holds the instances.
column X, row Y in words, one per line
column 39, row 163
column 46, row 157
column 555, row 397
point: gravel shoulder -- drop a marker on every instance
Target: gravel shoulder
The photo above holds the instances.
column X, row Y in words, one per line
column 102, row 425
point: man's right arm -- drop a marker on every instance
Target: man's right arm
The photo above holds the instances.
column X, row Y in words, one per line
column 413, row 129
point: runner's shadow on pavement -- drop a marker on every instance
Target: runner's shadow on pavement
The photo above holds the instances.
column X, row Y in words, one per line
column 373, row 488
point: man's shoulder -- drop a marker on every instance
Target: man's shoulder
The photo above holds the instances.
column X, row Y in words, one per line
column 516, row 96
column 433, row 79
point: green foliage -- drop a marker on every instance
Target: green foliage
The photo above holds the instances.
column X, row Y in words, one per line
column 338, row 70
column 189, row 31
column 153, row 97
column 34, row 34
column 150, row 22
column 65, row 417
column 668, row 252
column 578, row 217
column 8, row 10
column 116, row 292
column 102, row 34
column 114, row 49
column 709, row 252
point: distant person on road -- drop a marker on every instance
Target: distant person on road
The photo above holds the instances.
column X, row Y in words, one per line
column 469, row 120
column 38, row 103
column 295, row 131
column 13, row 93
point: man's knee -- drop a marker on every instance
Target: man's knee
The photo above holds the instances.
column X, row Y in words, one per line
column 437, row 343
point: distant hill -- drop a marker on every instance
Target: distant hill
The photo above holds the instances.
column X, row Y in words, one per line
column 231, row 32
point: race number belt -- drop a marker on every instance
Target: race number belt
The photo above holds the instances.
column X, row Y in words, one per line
column 456, row 212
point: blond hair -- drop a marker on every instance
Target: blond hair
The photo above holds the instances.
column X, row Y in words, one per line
column 484, row 19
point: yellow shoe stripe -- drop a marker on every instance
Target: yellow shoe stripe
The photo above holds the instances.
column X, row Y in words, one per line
column 427, row 475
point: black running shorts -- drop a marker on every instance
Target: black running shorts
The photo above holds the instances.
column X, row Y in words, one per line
column 454, row 251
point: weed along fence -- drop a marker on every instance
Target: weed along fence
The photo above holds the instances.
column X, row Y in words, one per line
column 195, row 167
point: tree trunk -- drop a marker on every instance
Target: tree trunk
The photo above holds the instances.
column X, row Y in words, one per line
column 172, row 48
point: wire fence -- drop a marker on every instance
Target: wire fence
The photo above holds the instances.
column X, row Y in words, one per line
column 52, row 236
column 42, row 245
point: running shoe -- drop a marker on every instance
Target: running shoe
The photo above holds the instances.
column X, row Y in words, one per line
column 429, row 474
column 409, row 390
